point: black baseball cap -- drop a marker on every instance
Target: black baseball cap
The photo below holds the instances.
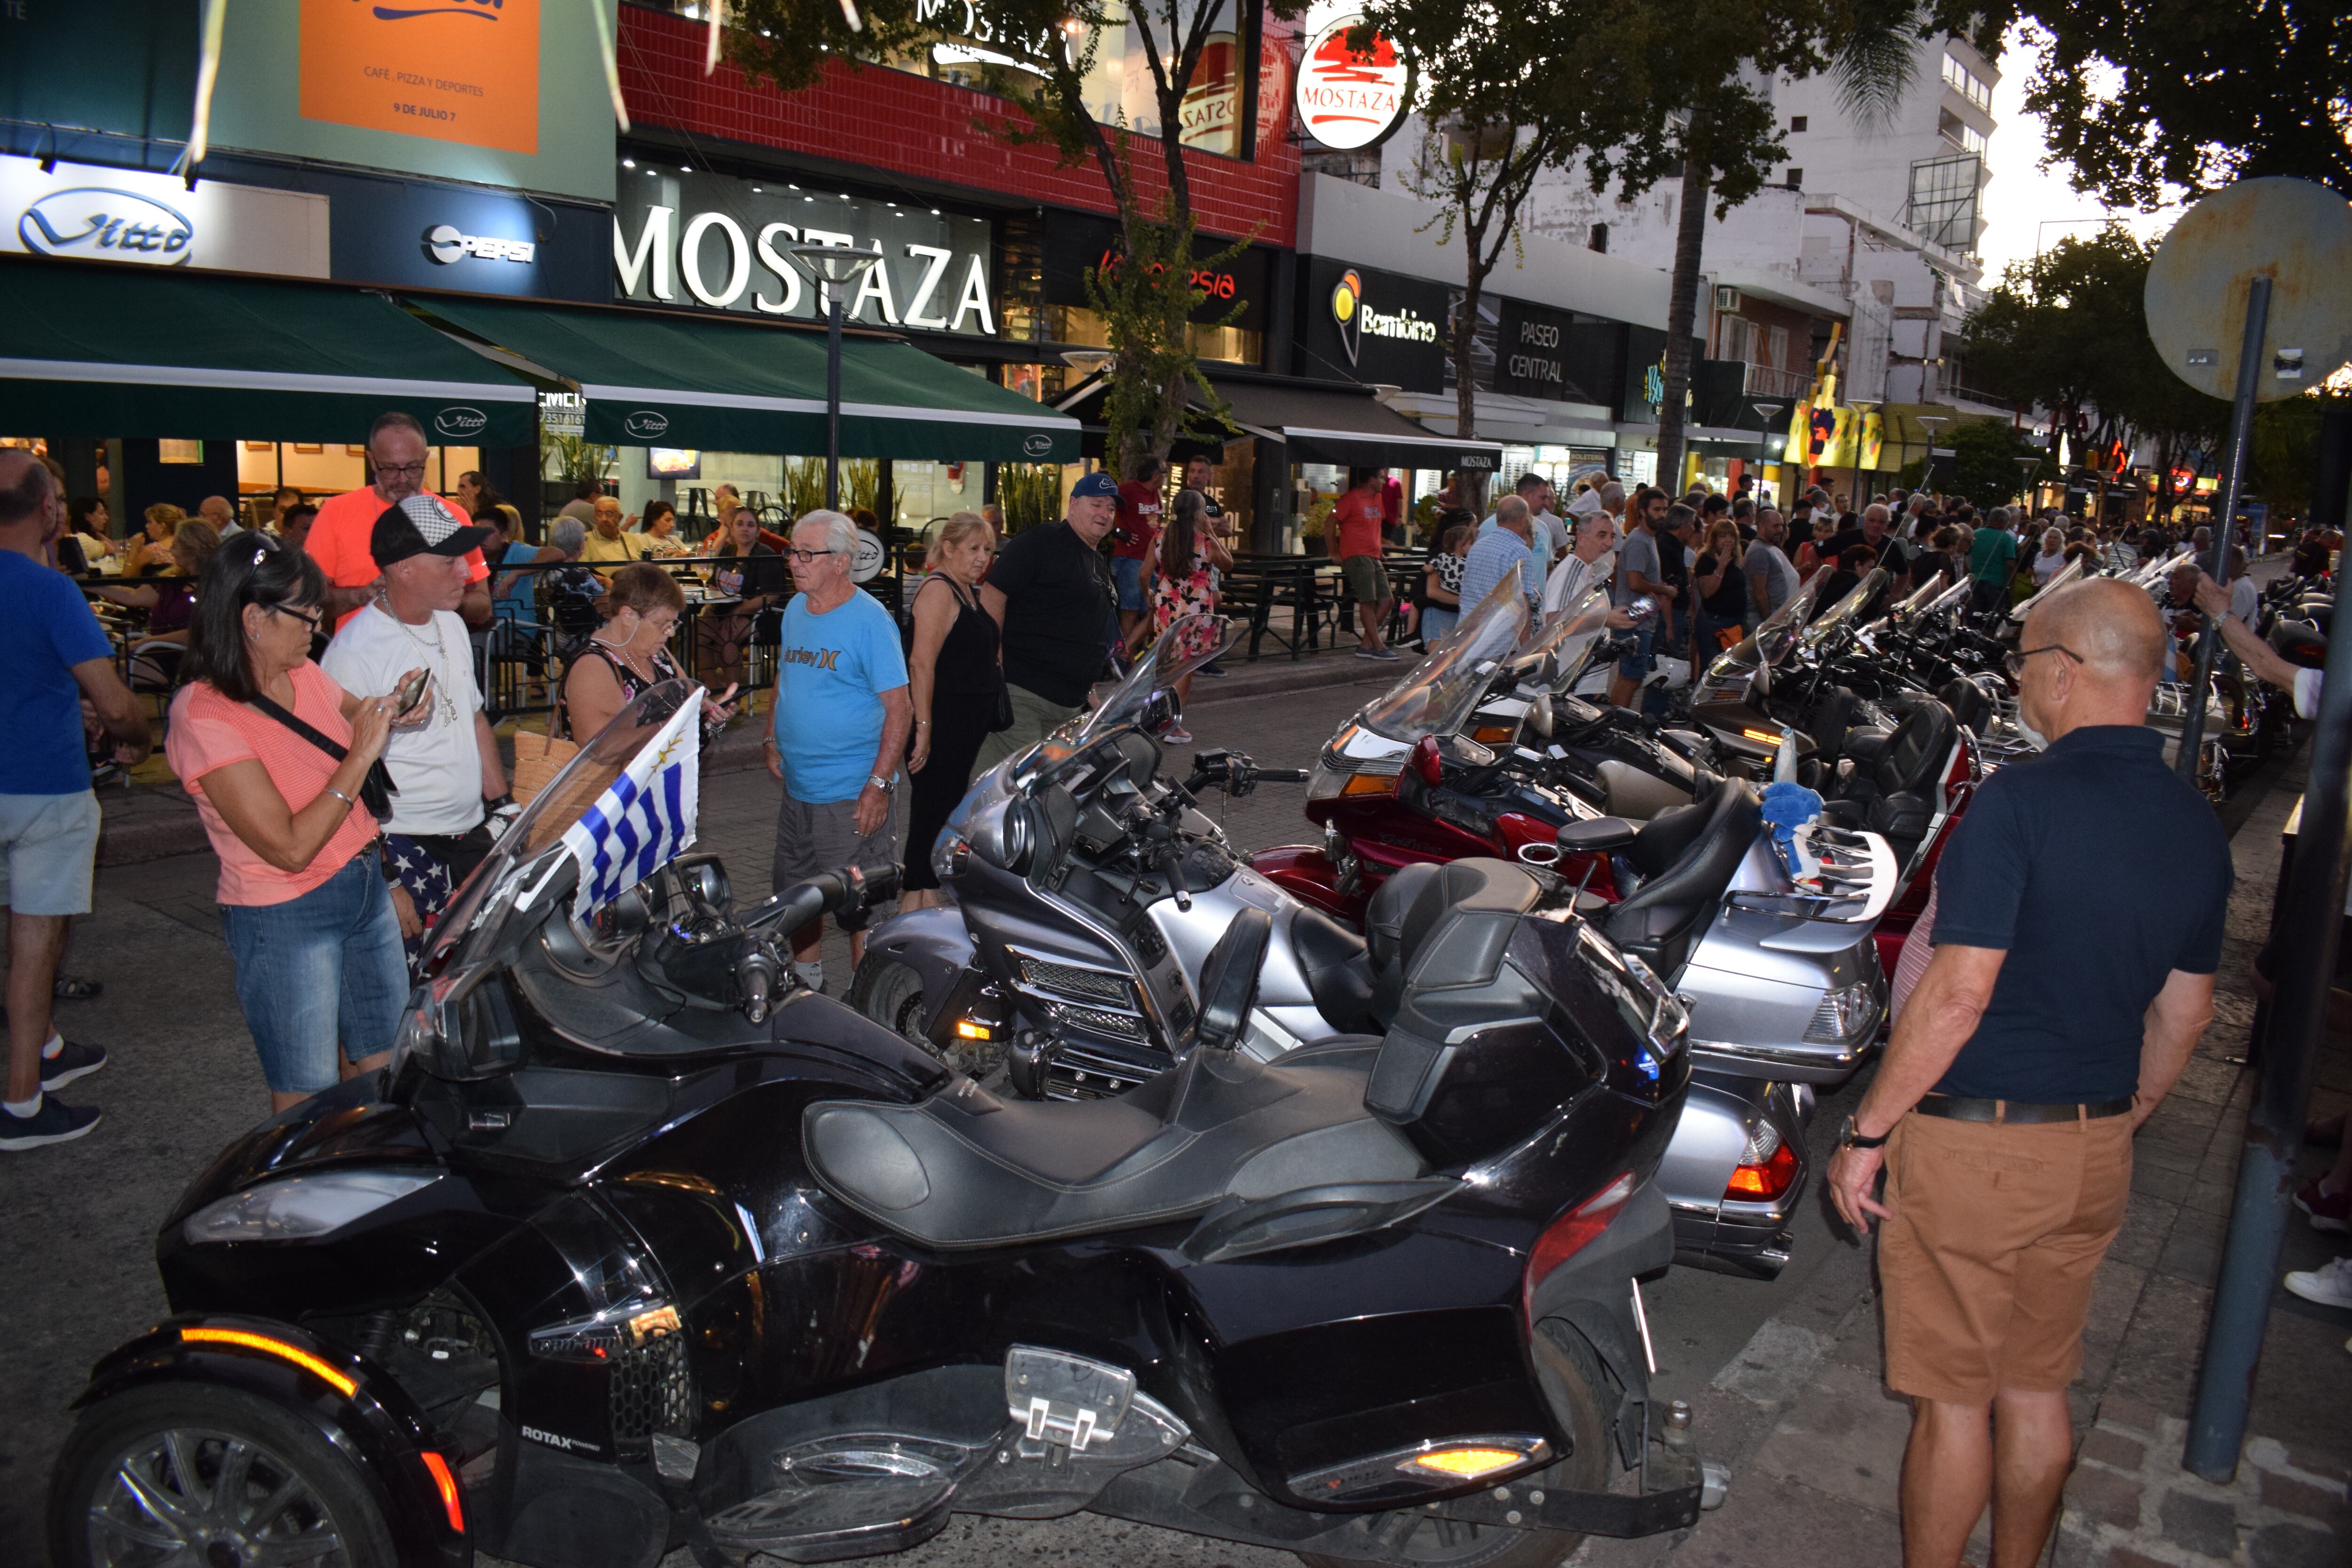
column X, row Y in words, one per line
column 421, row 525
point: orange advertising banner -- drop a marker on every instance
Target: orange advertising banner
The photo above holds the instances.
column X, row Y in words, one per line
column 457, row 70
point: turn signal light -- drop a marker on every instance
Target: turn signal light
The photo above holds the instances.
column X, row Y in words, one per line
column 446, row 1484
column 341, row 1382
column 1766, row 1180
column 1369, row 783
column 968, row 1030
column 1764, row 737
column 1494, row 734
column 1466, row 1464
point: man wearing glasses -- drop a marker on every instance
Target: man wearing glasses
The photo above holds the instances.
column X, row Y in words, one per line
column 338, row 535
column 2073, row 975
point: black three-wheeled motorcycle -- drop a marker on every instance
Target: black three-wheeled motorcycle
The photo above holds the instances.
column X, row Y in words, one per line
column 635, row 1246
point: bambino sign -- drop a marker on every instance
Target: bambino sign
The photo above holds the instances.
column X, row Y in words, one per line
column 456, row 71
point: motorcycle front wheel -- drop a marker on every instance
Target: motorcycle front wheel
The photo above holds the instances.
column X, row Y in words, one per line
column 199, row 1474
column 891, row 995
column 1432, row 1542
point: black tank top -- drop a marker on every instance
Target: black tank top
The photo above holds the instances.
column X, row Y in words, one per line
column 967, row 661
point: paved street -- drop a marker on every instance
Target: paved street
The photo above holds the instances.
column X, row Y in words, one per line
column 1784, row 1376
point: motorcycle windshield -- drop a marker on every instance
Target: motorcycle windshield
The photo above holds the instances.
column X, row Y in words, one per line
column 2070, row 573
column 1847, row 608
column 1440, row 693
column 1920, row 600
column 475, row 922
column 1557, row 642
column 1778, row 631
column 1957, row 594
column 1188, row 643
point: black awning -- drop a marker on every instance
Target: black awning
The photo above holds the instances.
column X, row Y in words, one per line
column 1318, row 422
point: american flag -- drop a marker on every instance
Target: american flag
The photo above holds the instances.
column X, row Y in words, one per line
column 646, row 817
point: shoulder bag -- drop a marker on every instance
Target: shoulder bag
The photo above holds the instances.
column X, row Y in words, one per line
column 376, row 790
column 539, row 758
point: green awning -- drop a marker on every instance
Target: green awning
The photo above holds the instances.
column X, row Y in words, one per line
column 654, row 378
column 107, row 349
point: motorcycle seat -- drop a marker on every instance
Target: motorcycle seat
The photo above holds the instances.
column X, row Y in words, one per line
column 965, row 1169
column 1967, row 700
column 1659, row 920
column 1916, row 751
column 1338, row 964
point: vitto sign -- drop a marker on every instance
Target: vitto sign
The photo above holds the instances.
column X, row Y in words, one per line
column 460, row 424
column 154, row 220
column 723, row 243
column 456, row 71
column 1348, row 98
column 444, row 243
column 1358, row 319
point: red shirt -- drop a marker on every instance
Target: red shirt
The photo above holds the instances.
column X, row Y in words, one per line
column 1358, row 516
column 1138, row 520
column 1392, row 501
column 339, row 540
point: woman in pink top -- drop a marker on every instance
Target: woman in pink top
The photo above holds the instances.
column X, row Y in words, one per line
column 302, row 897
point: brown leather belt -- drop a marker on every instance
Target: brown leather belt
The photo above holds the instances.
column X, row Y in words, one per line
column 2016, row 1112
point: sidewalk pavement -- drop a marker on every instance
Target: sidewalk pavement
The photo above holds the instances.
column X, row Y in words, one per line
column 1815, row 1439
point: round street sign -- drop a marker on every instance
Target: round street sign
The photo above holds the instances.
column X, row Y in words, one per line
column 2299, row 234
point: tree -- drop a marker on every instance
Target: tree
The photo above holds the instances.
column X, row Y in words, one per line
column 2139, row 97
column 1148, row 299
column 1984, row 462
column 1509, row 92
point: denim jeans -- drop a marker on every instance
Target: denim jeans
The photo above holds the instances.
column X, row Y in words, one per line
column 318, row 969
column 1436, row 622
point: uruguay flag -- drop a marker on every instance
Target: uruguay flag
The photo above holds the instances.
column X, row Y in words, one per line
column 646, row 817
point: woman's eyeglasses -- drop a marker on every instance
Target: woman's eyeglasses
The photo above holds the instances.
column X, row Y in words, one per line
column 309, row 618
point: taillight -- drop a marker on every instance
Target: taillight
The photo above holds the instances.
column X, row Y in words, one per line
column 1568, row 1236
column 1765, row 1179
column 1426, row 762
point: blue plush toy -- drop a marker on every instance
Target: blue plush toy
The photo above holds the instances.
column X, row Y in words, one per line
column 1787, row 809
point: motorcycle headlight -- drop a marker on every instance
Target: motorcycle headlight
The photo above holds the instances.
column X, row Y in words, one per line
column 301, row 1206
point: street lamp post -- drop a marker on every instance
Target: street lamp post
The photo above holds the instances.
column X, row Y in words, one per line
column 833, row 268
column 1764, row 412
column 2025, row 471
column 1930, row 421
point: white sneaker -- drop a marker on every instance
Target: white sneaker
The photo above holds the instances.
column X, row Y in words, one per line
column 811, row 974
column 2330, row 1285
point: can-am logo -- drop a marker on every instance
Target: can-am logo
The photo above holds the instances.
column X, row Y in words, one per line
column 444, row 243
column 460, row 423
column 646, row 422
column 487, row 10
column 93, row 220
column 1036, row 443
column 1356, row 318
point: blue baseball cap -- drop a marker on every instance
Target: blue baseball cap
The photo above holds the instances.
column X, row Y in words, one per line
column 1096, row 484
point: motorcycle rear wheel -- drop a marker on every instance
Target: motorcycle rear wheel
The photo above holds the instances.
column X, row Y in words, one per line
column 201, row 1473
column 1453, row 1543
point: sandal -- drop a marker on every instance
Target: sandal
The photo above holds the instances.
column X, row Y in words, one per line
column 73, row 988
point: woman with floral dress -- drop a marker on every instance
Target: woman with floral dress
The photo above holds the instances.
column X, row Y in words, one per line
column 1177, row 566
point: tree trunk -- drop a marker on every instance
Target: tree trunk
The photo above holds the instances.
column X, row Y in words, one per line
column 1682, row 315
column 1465, row 387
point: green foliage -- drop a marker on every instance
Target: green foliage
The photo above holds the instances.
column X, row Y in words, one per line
column 2286, row 451
column 2138, row 97
column 1148, row 304
column 573, row 458
column 1984, row 461
column 1028, row 494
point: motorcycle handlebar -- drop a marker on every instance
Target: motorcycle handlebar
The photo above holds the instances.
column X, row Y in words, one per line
column 1282, row 775
column 846, row 893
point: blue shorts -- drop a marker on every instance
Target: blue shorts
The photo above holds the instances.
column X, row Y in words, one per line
column 313, row 971
column 1127, row 573
column 1634, row 666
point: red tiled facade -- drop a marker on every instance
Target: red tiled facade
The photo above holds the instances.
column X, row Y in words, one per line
column 895, row 120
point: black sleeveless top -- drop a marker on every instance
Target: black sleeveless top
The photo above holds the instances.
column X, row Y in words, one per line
column 967, row 662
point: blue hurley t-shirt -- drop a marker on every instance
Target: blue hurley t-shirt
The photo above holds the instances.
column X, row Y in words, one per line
column 831, row 674
column 46, row 628
column 2099, row 871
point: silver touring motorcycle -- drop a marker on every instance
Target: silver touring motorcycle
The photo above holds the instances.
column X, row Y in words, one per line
column 1093, row 897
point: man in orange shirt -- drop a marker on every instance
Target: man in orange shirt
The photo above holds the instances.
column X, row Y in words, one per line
column 1357, row 517
column 339, row 536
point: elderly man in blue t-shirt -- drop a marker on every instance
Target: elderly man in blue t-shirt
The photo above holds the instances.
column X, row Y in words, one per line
column 842, row 720
column 2073, row 975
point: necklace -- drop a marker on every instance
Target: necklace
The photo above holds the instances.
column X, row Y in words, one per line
column 624, row 652
column 445, row 706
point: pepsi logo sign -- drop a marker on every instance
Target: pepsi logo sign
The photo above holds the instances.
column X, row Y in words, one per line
column 93, row 220
column 460, row 423
column 645, row 422
column 444, row 243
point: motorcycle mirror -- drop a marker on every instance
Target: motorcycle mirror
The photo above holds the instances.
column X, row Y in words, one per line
column 1540, row 715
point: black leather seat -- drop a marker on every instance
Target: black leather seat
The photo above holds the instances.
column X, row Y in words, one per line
column 1916, row 751
column 1668, row 835
column 1338, row 964
column 965, row 1169
column 1659, row 921
column 1229, row 979
column 1970, row 705
column 1451, row 942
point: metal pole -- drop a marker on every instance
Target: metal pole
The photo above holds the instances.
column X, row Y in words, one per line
column 2308, row 927
column 833, row 404
column 2242, row 446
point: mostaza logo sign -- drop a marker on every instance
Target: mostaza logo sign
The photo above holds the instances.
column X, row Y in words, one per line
column 1348, row 98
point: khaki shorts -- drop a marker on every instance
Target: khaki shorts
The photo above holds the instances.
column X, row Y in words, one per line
column 812, row 839
column 1367, row 579
column 47, row 845
column 1986, row 1267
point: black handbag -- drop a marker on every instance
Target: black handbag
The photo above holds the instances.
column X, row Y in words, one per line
column 1002, row 721
column 376, row 790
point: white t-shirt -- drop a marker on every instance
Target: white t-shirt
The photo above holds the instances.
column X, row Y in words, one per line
column 1567, row 582
column 2245, row 598
column 438, row 769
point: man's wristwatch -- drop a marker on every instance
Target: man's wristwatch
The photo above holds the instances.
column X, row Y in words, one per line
column 877, row 782
column 1850, row 1137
